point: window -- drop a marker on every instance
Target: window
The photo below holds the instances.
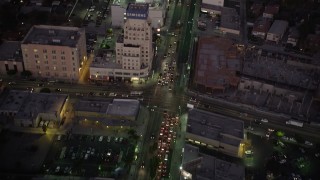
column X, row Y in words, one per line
column 54, row 57
column 26, row 55
column 38, row 67
column 63, row 58
column 62, row 52
column 44, row 51
column 54, row 68
column 64, row 68
column 36, row 56
column 46, row 62
column 73, row 58
column 53, row 51
column 63, row 63
column 37, row 61
column 47, row 67
column 72, row 53
column 35, row 50
column 74, row 69
column 47, row 73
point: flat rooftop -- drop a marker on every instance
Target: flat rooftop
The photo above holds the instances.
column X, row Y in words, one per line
column 279, row 27
column 10, row 50
column 277, row 69
column 99, row 106
column 213, row 126
column 230, row 18
column 124, row 107
column 37, row 103
column 105, row 62
column 14, row 100
column 53, row 35
column 209, row 167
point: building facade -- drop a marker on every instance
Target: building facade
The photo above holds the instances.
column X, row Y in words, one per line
column 134, row 49
column 54, row 52
column 10, row 57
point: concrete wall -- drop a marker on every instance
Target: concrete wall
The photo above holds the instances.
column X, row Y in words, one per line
column 10, row 64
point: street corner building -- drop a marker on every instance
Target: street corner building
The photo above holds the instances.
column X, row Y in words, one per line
column 54, row 52
column 216, row 132
column 34, row 109
column 197, row 165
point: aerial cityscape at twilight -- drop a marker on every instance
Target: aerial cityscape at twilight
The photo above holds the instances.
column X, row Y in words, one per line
column 159, row 89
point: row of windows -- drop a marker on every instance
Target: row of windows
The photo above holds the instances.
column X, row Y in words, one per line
column 45, row 51
column 46, row 57
column 54, row 68
column 53, row 62
column 134, row 74
column 53, row 74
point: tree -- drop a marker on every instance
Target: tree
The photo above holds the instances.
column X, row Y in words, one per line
column 154, row 162
column 11, row 72
column 109, row 31
column 45, row 90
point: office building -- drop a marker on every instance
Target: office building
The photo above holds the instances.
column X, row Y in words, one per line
column 134, row 50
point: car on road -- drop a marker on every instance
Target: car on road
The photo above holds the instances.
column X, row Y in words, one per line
column 264, row 120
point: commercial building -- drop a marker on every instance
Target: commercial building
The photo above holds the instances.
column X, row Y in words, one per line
column 116, row 112
column 197, row 165
column 261, row 27
column 216, row 132
column 10, row 57
column 277, row 30
column 217, row 64
column 156, row 14
column 29, row 109
column 54, row 52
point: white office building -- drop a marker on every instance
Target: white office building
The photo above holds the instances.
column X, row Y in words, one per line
column 134, row 51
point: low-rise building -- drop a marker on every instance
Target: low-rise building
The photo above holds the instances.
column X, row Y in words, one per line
column 211, row 9
column 217, row 64
column 261, row 27
column 197, row 165
column 215, row 131
column 10, row 57
column 230, row 21
column 30, row 109
column 271, row 10
column 277, row 30
column 116, row 112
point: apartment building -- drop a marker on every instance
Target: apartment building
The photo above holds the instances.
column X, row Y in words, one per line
column 54, row 52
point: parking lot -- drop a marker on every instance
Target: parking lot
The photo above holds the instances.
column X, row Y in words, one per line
column 86, row 155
